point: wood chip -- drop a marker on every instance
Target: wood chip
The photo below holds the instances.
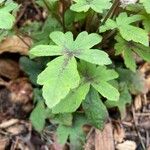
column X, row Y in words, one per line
column 3, row 142
column 127, row 145
column 119, row 134
column 104, row 139
column 8, row 123
column 138, row 102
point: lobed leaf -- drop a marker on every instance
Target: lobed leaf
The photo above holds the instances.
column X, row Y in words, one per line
column 84, row 5
column 128, row 31
column 95, row 110
column 58, row 79
column 72, row 100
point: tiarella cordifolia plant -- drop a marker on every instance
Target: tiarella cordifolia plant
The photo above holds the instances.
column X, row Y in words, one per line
column 76, row 66
column 79, row 72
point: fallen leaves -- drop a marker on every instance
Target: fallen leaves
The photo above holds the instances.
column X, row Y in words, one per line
column 16, row 44
column 9, row 69
column 104, row 139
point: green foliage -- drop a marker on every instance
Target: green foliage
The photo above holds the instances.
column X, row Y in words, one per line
column 73, row 67
column 125, row 98
column 133, row 80
column 31, row 68
column 127, row 31
column 97, row 77
column 97, row 5
column 6, row 18
column 74, row 132
column 146, row 4
column 95, row 110
column 38, row 116
column 129, row 49
column 63, row 70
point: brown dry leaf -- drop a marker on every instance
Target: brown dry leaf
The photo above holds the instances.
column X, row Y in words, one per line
column 127, row 145
column 9, row 68
column 16, row 44
column 148, row 82
column 145, row 69
column 138, row 102
column 104, row 139
column 21, row 91
column 119, row 133
column 8, row 123
column 90, row 142
column 16, row 129
column 3, row 142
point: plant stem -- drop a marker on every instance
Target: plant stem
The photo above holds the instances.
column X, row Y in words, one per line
column 111, row 11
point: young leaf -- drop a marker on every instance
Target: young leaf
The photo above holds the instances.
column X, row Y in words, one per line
column 38, row 116
column 125, row 98
column 127, row 31
column 63, row 119
column 133, row 80
column 128, row 48
column 84, row 5
column 75, row 132
column 61, row 74
column 95, row 110
column 98, row 77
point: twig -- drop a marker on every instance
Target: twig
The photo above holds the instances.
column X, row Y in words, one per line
column 90, row 132
column 22, row 12
column 138, row 133
column 23, row 40
column 142, row 114
column 37, row 9
column 111, row 11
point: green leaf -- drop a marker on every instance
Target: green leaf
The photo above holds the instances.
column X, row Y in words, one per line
column 146, row 22
column 127, row 49
column 63, row 119
column 31, row 68
column 146, row 4
column 42, row 35
column 98, row 77
column 95, row 110
column 125, row 98
column 75, row 132
column 106, row 90
column 7, row 19
column 133, row 80
column 79, row 48
column 127, row 31
column 37, row 116
column 89, row 41
column 61, row 74
column 46, row 50
column 129, row 60
column 58, row 79
column 84, row 5
column 94, row 56
column 73, row 100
